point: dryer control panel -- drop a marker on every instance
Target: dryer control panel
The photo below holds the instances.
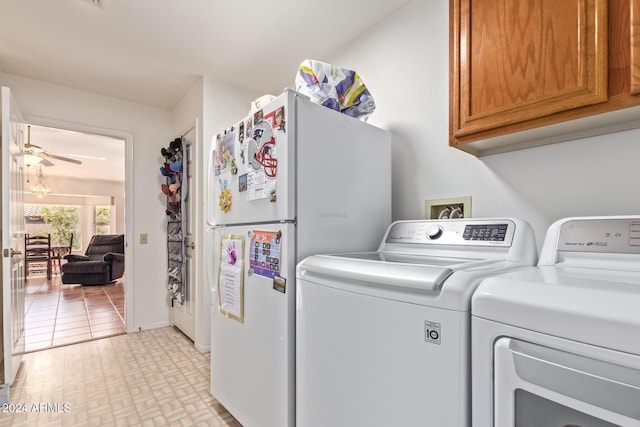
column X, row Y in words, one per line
column 602, row 235
column 453, row 232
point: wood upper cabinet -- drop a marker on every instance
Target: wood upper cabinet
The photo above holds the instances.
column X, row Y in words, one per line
column 517, row 66
column 635, row 47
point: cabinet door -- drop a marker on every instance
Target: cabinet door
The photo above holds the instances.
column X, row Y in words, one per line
column 635, row 47
column 517, row 60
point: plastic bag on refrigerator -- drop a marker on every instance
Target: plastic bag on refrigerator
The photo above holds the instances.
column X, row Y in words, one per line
column 336, row 88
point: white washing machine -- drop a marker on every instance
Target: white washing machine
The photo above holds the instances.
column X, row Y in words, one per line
column 559, row 344
column 382, row 337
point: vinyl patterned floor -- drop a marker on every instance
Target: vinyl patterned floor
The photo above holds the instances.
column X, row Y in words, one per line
column 57, row 314
column 149, row 378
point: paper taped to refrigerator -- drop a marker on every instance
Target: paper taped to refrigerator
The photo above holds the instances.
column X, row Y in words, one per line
column 265, row 253
column 225, row 149
column 230, row 277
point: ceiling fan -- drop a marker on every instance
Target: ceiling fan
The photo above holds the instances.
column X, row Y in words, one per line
column 34, row 154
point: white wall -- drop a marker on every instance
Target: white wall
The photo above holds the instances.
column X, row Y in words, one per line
column 66, row 190
column 224, row 105
column 151, row 128
column 214, row 106
column 404, row 62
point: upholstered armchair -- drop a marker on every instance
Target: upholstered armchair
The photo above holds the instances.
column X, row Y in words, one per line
column 102, row 263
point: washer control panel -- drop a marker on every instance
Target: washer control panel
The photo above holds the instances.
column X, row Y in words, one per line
column 453, row 232
column 616, row 235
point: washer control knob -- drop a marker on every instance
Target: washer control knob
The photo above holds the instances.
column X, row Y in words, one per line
column 434, row 232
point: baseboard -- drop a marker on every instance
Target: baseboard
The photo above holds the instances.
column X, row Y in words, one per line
column 202, row 348
column 149, row 326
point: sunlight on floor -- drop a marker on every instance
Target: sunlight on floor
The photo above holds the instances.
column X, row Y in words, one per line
column 57, row 314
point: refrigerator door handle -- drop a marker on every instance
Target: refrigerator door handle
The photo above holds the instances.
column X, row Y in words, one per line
column 210, row 203
column 208, row 242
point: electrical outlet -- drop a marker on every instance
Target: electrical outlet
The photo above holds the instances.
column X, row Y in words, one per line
column 452, row 208
column 144, row 238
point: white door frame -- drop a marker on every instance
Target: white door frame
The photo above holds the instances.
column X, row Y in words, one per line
column 129, row 293
column 12, row 233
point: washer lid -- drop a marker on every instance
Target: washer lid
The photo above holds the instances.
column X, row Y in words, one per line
column 598, row 307
column 402, row 258
column 388, row 269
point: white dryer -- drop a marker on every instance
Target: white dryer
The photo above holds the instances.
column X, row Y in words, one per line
column 382, row 337
column 559, row 344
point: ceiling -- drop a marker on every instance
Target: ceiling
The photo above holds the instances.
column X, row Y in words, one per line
column 102, row 157
column 153, row 51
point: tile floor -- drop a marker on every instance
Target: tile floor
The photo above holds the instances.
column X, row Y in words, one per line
column 57, row 314
column 148, row 378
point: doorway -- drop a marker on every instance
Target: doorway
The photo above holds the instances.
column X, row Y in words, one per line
column 183, row 314
column 85, row 169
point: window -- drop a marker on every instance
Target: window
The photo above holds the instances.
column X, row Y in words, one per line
column 103, row 220
column 58, row 220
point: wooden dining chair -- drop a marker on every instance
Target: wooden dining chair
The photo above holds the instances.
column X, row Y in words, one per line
column 37, row 250
column 60, row 251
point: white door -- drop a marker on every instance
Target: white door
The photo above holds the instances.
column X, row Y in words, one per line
column 12, row 232
column 253, row 326
column 184, row 315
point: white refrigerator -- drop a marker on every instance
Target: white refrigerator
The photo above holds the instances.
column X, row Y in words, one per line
column 291, row 180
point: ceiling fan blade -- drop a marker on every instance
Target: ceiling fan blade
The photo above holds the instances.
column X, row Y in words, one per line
column 33, row 149
column 64, row 159
column 46, row 162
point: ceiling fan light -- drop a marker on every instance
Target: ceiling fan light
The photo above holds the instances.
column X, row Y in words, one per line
column 40, row 190
column 31, row 159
